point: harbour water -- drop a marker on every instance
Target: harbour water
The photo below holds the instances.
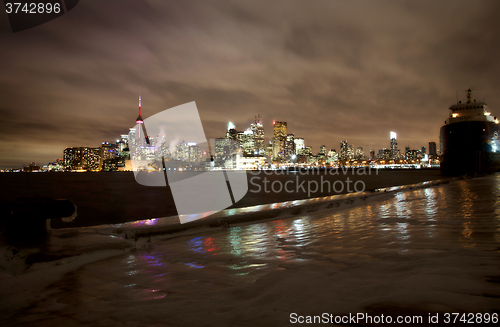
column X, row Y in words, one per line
column 424, row 252
column 104, row 198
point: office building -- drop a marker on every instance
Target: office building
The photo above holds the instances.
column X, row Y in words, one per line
column 394, row 145
column 432, row 150
column 258, row 135
column 279, row 140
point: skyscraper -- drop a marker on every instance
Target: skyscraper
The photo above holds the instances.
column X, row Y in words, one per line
column 194, row 152
column 258, row 135
column 343, row 150
column 231, row 132
column 360, row 153
column 222, row 150
column 107, row 151
column 432, row 150
column 246, row 141
column 394, row 145
column 350, row 151
column 299, row 143
column 290, row 146
column 279, row 140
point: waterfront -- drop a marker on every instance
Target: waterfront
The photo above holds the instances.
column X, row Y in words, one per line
column 116, row 197
column 424, row 251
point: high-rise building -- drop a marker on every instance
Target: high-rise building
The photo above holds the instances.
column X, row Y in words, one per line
column 132, row 141
column 231, row 132
column 412, row 155
column 305, row 151
column 258, row 135
column 360, row 154
column 394, row 145
column 82, row 158
column 343, row 150
column 162, row 149
column 350, row 151
column 194, row 152
column 122, row 143
column 432, row 150
column 385, row 154
column 246, row 141
column 91, row 159
column 290, row 146
column 68, row 157
column 372, row 154
column 107, row 151
column 182, row 151
column 332, row 156
column 222, row 151
column 269, row 149
column 299, row 143
column 279, row 140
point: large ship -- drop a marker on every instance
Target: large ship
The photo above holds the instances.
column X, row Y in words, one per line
column 469, row 140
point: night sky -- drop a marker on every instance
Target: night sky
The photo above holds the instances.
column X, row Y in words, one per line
column 333, row 70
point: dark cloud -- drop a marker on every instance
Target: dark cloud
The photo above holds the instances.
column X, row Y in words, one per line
column 333, row 70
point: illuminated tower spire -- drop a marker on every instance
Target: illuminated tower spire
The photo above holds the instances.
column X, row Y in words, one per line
column 139, row 118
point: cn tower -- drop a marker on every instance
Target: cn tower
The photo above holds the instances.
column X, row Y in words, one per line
column 139, row 118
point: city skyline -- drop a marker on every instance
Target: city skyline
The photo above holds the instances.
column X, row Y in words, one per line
column 279, row 147
column 333, row 71
column 257, row 118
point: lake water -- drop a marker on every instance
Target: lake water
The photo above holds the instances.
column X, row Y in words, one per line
column 417, row 253
column 116, row 197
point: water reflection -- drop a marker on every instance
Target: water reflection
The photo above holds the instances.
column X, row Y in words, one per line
column 426, row 220
column 431, row 203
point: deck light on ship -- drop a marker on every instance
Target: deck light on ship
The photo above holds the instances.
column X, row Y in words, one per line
column 454, row 115
column 486, row 113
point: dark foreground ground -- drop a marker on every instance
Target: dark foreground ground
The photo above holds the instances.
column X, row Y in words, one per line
column 104, row 198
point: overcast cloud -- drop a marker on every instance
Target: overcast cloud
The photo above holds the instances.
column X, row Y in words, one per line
column 334, row 70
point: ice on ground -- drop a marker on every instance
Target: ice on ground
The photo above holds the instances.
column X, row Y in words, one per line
column 427, row 250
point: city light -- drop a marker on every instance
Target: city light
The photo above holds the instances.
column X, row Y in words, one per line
column 235, row 150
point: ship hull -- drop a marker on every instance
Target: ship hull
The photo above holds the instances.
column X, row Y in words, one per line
column 470, row 147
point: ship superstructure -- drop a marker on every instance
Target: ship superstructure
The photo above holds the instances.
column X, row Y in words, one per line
column 469, row 139
column 470, row 111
